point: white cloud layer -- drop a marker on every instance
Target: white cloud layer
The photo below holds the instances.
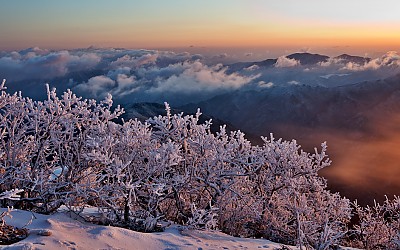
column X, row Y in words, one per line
column 284, row 62
column 179, row 78
column 36, row 63
column 192, row 78
column 390, row 59
column 252, row 67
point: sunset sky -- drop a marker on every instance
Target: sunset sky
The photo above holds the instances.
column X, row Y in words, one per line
column 361, row 26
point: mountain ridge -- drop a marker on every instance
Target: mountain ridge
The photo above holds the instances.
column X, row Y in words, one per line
column 304, row 58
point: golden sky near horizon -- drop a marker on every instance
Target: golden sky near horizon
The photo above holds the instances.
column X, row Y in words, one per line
column 202, row 23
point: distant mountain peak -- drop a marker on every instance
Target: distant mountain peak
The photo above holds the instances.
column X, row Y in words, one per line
column 304, row 54
column 307, row 58
column 346, row 58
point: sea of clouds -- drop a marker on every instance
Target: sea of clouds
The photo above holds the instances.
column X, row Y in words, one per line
column 176, row 77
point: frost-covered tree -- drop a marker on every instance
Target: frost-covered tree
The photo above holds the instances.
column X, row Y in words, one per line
column 175, row 168
column 66, row 150
column 378, row 226
column 42, row 144
column 163, row 168
column 129, row 170
column 285, row 200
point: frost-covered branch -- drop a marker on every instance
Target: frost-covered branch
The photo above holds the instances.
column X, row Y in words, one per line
column 11, row 194
column 66, row 150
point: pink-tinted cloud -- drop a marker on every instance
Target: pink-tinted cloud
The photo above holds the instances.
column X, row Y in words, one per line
column 284, row 62
column 97, row 86
column 171, row 83
column 389, row 59
column 134, row 62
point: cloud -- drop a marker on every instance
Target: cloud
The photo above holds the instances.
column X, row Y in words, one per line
column 284, row 62
column 97, row 86
column 35, row 51
column 328, row 76
column 220, row 58
column 178, row 83
column 263, row 84
column 134, row 62
column 252, row 67
column 293, row 82
column 177, row 77
column 41, row 64
column 390, row 59
column 330, row 62
column 331, row 73
column 197, row 77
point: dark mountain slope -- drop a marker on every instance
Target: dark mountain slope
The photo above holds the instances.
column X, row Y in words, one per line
column 348, row 107
column 308, row 59
column 345, row 58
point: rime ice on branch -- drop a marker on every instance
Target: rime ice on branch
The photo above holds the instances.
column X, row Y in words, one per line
column 72, row 151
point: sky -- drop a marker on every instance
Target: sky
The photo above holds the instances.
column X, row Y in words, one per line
column 359, row 26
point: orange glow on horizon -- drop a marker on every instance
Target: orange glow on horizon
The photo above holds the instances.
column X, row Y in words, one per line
column 265, row 34
column 222, row 24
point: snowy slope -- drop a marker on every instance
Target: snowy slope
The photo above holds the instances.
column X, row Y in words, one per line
column 69, row 233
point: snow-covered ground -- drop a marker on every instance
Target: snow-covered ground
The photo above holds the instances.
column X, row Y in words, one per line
column 70, row 233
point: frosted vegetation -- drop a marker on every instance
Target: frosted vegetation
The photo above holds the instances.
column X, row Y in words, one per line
column 74, row 152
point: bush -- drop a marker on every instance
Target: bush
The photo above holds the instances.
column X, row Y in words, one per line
column 42, row 145
column 71, row 151
column 378, row 226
